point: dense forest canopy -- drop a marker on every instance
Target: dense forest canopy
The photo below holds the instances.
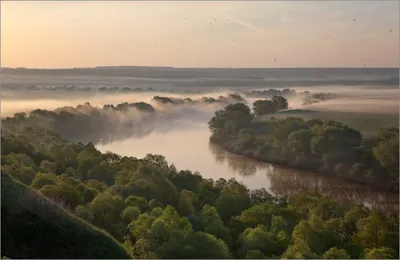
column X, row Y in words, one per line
column 153, row 210
column 328, row 147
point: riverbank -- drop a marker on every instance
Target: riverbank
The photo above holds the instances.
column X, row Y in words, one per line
column 323, row 146
column 378, row 187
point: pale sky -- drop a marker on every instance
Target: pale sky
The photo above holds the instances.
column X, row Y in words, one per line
column 245, row 34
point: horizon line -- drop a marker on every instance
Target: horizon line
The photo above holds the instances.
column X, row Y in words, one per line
column 172, row 67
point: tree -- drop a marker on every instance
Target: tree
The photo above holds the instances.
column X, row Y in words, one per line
column 335, row 253
column 228, row 206
column 106, row 211
column 280, row 102
column 263, row 107
column 64, row 193
column 304, row 232
column 230, row 119
column 387, row 153
column 254, row 254
column 371, row 232
column 380, row 253
column 24, row 174
column 187, row 202
column 42, row 179
column 213, row 224
column 299, row 250
column 46, row 166
column 136, row 201
column 207, row 246
column 129, row 214
column 278, row 224
column 102, row 172
column 260, row 239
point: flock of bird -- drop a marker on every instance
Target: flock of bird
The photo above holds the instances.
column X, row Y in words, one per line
column 227, row 20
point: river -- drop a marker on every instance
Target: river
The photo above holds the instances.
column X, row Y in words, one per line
column 187, row 146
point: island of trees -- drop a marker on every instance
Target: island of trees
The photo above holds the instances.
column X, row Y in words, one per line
column 328, row 147
column 62, row 199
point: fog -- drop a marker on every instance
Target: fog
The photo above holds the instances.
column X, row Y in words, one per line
column 136, row 133
column 354, row 99
column 12, row 103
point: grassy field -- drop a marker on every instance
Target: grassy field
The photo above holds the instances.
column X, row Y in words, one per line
column 35, row 227
column 366, row 123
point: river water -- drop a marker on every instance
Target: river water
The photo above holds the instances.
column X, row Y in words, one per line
column 187, row 146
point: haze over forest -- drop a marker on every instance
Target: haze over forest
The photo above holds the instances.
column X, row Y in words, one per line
column 189, row 130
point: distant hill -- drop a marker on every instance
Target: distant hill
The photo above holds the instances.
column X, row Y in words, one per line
column 34, row 227
column 260, row 77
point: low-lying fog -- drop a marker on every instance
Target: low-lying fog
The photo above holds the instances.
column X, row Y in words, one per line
column 181, row 134
column 356, row 99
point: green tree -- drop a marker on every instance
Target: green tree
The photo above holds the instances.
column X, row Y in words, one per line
column 371, row 232
column 64, row 193
column 46, row 166
column 207, row 246
column 381, row 253
column 42, row 179
column 335, row 253
column 213, row 224
column 129, row 214
column 260, row 239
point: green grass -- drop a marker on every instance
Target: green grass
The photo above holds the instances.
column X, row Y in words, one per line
column 34, row 227
column 366, row 123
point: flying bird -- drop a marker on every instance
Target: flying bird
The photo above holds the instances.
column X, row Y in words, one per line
column 390, row 30
column 354, row 20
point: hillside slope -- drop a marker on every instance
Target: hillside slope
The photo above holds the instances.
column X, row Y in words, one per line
column 35, row 227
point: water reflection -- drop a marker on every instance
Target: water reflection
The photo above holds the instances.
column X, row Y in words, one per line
column 287, row 182
column 243, row 166
column 187, row 146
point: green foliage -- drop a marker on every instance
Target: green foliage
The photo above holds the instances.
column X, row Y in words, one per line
column 259, row 238
column 42, row 179
column 207, row 246
column 262, row 107
column 30, row 221
column 129, row 214
column 381, row 253
column 62, row 193
column 136, row 201
column 335, row 253
column 328, row 147
column 157, row 211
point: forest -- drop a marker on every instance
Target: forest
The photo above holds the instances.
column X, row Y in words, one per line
column 324, row 146
column 88, row 123
column 81, row 203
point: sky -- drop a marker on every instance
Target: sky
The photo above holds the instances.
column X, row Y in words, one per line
column 200, row 34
